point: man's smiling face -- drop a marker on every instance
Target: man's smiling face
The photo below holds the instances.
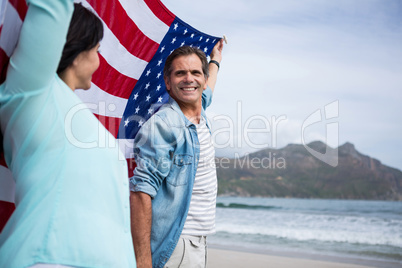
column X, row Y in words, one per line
column 187, row 81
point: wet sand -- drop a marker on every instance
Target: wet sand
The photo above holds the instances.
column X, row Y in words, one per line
column 218, row 258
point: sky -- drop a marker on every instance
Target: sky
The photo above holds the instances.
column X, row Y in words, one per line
column 296, row 71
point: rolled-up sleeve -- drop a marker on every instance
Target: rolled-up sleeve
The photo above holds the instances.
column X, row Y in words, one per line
column 153, row 149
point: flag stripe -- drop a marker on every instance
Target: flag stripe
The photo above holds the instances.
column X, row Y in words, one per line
column 110, row 123
column 145, row 19
column 2, row 11
column 2, row 160
column 117, row 55
column 6, row 209
column 101, row 102
column 160, row 11
column 137, row 43
column 112, row 81
column 126, row 146
column 131, row 166
column 20, row 6
column 7, row 185
column 7, row 193
column 12, row 24
column 4, row 59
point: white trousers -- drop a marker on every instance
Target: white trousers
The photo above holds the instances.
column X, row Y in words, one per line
column 190, row 252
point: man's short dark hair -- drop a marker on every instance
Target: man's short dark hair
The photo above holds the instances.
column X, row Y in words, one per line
column 185, row 51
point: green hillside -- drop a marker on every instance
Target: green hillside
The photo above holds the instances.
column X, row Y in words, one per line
column 293, row 172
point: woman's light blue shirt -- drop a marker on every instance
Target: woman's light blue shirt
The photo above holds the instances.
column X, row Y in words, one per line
column 72, row 195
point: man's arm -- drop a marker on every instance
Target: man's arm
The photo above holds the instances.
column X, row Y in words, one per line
column 216, row 55
column 141, row 222
column 153, row 166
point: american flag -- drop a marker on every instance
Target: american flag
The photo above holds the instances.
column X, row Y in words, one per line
column 128, row 87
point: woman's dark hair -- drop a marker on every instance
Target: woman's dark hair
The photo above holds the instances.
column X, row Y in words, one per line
column 84, row 33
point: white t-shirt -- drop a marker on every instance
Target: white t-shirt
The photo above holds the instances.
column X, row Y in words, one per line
column 201, row 215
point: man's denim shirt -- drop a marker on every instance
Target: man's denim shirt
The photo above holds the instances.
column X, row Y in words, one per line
column 166, row 150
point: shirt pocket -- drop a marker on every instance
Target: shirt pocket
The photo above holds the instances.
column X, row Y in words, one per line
column 181, row 170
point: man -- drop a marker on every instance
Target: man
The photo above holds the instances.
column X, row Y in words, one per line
column 173, row 189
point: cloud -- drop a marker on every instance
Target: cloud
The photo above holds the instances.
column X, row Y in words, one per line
column 290, row 58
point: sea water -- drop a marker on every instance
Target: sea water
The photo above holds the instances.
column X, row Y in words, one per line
column 366, row 232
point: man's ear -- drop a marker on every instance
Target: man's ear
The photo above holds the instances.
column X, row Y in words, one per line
column 206, row 83
column 167, row 83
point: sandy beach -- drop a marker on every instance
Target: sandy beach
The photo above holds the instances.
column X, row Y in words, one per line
column 218, row 258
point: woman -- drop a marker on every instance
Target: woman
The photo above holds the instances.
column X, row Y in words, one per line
column 72, row 196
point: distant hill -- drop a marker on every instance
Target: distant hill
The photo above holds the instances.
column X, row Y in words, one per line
column 293, row 172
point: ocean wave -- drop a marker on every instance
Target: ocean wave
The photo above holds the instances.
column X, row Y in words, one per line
column 244, row 206
column 311, row 234
column 273, row 243
column 369, row 228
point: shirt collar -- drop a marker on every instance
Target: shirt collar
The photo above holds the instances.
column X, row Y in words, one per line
column 176, row 107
